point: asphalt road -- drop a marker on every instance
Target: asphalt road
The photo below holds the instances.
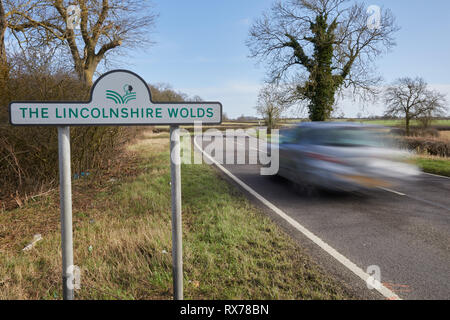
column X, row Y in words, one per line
column 404, row 230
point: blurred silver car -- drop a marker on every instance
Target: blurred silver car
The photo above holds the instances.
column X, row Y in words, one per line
column 342, row 156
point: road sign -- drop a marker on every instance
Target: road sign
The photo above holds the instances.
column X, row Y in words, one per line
column 118, row 98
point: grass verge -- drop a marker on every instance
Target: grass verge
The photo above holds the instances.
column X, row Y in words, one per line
column 122, row 239
column 437, row 165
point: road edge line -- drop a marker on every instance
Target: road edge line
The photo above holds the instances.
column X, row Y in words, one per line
column 436, row 175
column 311, row 236
column 392, row 191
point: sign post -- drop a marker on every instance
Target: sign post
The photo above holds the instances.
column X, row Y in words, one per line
column 118, row 98
column 177, row 235
column 65, row 187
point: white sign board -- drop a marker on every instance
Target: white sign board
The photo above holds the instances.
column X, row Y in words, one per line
column 119, row 97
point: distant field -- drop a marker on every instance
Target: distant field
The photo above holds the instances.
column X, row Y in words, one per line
column 445, row 122
column 393, row 122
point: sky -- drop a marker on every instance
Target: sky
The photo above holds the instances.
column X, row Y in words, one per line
column 200, row 50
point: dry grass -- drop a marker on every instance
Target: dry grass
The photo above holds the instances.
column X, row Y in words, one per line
column 444, row 135
column 122, row 239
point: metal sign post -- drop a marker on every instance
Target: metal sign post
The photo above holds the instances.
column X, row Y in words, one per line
column 118, row 98
column 177, row 235
column 66, row 211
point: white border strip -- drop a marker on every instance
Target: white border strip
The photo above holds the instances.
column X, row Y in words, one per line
column 331, row 251
column 436, row 175
column 393, row 191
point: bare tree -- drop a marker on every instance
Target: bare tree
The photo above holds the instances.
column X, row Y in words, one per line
column 3, row 27
column 7, row 8
column 196, row 98
column 104, row 27
column 165, row 92
column 411, row 99
column 271, row 105
column 225, row 117
column 322, row 46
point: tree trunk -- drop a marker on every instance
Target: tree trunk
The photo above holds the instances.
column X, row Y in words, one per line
column 3, row 27
column 407, row 124
column 269, row 121
column 4, row 68
column 88, row 72
column 86, row 69
column 322, row 85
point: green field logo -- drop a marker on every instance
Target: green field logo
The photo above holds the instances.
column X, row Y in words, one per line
column 119, row 99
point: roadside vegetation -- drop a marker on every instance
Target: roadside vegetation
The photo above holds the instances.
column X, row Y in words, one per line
column 44, row 58
column 435, row 165
column 122, row 239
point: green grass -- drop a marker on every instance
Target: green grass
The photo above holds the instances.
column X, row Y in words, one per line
column 231, row 250
column 435, row 166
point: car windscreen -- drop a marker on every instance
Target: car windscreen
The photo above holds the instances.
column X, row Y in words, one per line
column 350, row 137
column 287, row 136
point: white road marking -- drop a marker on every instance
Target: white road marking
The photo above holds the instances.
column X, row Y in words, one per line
column 431, row 203
column 436, row 175
column 257, row 149
column 322, row 244
column 393, row 191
